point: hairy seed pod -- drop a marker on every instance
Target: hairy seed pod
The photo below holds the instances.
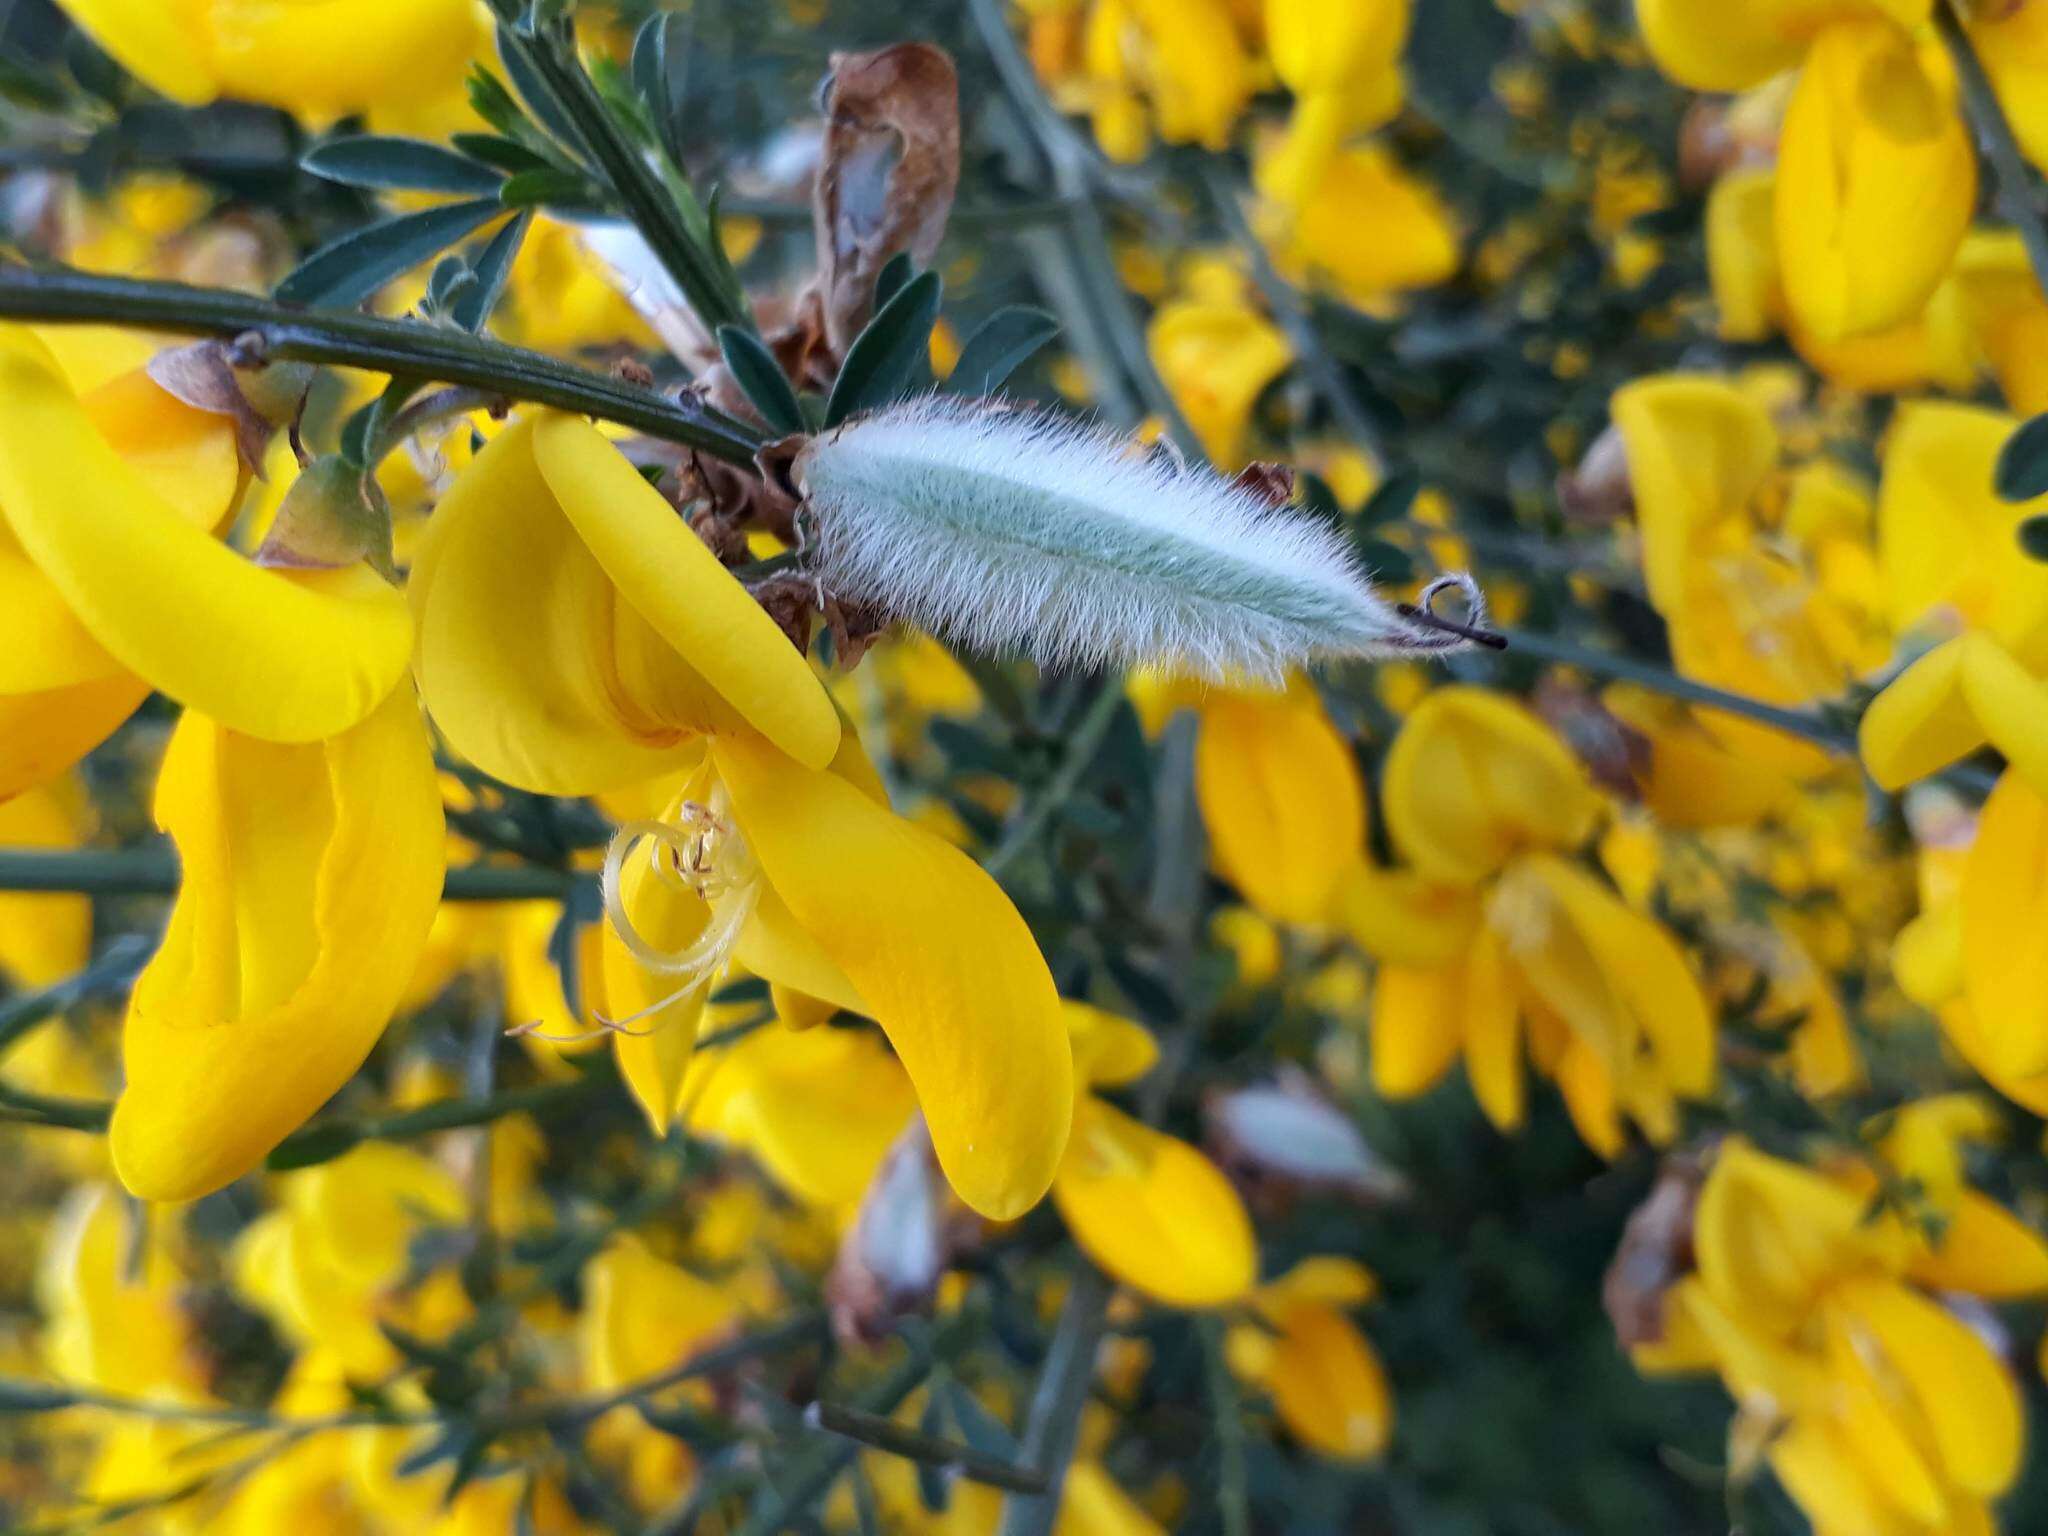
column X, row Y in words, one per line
column 1004, row 530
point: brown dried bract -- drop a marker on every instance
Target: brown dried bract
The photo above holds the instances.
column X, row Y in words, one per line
column 902, row 1242
column 257, row 401
column 1616, row 754
column 1599, row 491
column 1271, row 483
column 1655, row 1252
column 891, row 166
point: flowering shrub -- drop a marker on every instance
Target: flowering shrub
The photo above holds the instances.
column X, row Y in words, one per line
column 1201, row 765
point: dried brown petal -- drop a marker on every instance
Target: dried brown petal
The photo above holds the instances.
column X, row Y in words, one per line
column 890, row 1264
column 1271, row 483
column 1655, row 1251
column 1598, row 491
column 1285, row 1138
column 890, row 169
column 1616, row 754
column 257, row 400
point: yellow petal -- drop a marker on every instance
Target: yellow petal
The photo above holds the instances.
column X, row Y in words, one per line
column 330, row 58
column 1154, row 1212
column 1735, row 48
column 657, row 1020
column 1472, row 778
column 1493, row 1036
column 1109, row 1050
column 1416, row 242
column 1698, row 450
column 642, row 1315
column 1282, row 800
column 1971, row 1402
column 152, row 40
column 1328, row 44
column 2013, row 43
column 2004, row 902
column 285, row 657
column 1922, row 721
column 1329, row 1386
column 311, row 875
column 1397, row 916
column 1984, row 1250
column 1947, row 544
column 42, row 734
column 677, row 585
column 1216, row 358
column 1742, row 253
column 1877, row 181
column 1092, row 1504
column 44, row 938
column 940, row 959
column 1417, row 1027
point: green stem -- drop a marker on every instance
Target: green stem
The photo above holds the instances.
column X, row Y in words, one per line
column 154, row 872
column 1084, row 741
column 349, row 339
column 325, row 1140
column 1054, row 1427
column 113, row 971
column 1233, row 1498
column 1994, row 131
column 886, row 1434
column 639, row 190
column 21, row 1107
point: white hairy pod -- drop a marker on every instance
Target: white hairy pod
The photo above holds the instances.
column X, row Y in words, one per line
column 1004, row 530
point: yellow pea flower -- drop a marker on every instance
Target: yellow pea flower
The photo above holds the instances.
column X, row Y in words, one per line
column 1314, row 233
column 320, row 58
column 1736, row 48
column 1216, row 355
column 1191, row 64
column 819, row 1107
column 1342, row 62
column 114, row 582
column 43, row 938
column 1151, row 1210
column 576, row 636
column 1480, row 799
column 311, row 877
column 109, row 1323
column 1877, row 181
column 1883, row 1409
column 642, row 1315
column 1325, row 1379
column 2013, row 43
column 1282, row 799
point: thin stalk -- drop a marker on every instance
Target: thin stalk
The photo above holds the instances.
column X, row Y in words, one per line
column 638, row 188
column 349, row 339
column 1233, row 1500
column 154, row 872
column 1084, row 742
column 111, row 972
column 1994, row 132
column 18, row 1106
column 328, row 1139
column 886, row 1434
column 1054, row 1427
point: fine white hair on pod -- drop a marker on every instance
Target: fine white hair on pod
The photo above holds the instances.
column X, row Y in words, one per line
column 1004, row 530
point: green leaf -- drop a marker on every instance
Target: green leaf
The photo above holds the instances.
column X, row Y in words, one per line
column 896, row 271
column 2033, row 536
column 2022, row 472
column 539, row 97
column 1385, row 562
column 662, row 41
column 547, row 185
column 886, row 356
column 755, row 370
column 492, row 267
column 399, row 165
column 1392, row 501
column 999, row 345
column 507, row 155
column 347, row 271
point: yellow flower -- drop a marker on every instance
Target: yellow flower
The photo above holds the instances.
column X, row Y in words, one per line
column 1184, row 56
column 1315, row 232
column 1753, row 614
column 1342, row 62
column 1217, row 355
column 321, row 58
column 1877, row 181
column 1732, row 50
column 113, row 1324
column 2012, row 40
column 1325, row 1379
column 1282, row 799
column 311, row 875
column 114, row 583
column 642, row 1315
column 576, row 636
column 1481, row 799
column 1151, row 1210
column 1884, row 1411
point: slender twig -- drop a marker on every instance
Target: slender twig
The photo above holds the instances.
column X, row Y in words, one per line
column 154, row 872
column 1084, row 741
column 21, row 1107
column 325, row 1140
column 438, row 406
column 1227, row 1413
column 886, row 1434
column 2016, row 199
column 347, row 338
column 113, row 971
column 1054, row 1427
